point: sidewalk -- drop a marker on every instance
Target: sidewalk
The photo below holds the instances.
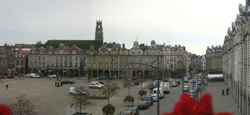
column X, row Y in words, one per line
column 221, row 103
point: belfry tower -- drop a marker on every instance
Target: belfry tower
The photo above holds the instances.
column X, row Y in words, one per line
column 99, row 31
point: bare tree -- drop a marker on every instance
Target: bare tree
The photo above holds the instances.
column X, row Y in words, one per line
column 22, row 106
column 127, row 84
column 81, row 98
column 110, row 89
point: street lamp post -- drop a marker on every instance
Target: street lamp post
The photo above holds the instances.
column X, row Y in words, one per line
column 158, row 103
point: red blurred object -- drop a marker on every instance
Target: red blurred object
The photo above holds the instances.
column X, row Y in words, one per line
column 4, row 110
column 189, row 106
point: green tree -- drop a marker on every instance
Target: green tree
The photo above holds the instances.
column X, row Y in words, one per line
column 81, row 98
column 22, row 106
column 109, row 89
column 127, row 84
column 167, row 73
column 39, row 44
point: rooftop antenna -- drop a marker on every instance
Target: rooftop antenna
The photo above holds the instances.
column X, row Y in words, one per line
column 136, row 38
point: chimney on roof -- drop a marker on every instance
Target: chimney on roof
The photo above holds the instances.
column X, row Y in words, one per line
column 175, row 45
column 123, row 45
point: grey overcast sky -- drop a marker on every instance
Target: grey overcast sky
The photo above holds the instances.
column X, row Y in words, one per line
column 195, row 24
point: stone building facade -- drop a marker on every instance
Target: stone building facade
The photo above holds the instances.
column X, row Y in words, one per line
column 64, row 60
column 214, row 60
column 235, row 59
column 113, row 60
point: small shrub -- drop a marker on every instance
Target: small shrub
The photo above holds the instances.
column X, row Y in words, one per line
column 129, row 98
column 142, row 92
column 108, row 109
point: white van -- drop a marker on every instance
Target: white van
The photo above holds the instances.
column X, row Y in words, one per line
column 72, row 91
column 161, row 94
column 165, row 87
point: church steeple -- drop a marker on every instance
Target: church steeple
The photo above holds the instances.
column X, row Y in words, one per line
column 99, row 31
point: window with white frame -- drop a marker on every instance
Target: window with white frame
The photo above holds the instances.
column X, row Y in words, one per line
column 50, row 52
column 132, row 59
column 139, row 59
column 132, row 53
column 106, row 65
column 121, row 59
column 74, row 52
column 139, row 53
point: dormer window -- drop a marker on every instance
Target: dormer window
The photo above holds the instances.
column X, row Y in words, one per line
column 139, row 53
column 61, row 52
column 113, row 52
column 132, row 53
column 50, row 52
column 74, row 52
column 153, row 47
column 103, row 52
column 91, row 53
column 33, row 52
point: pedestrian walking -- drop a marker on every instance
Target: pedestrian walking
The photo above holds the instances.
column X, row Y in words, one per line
column 61, row 84
column 7, row 86
column 55, row 84
column 58, row 84
column 222, row 91
column 50, row 78
column 227, row 90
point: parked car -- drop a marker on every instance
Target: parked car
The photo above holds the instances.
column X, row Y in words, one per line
column 143, row 105
column 135, row 110
column 154, row 96
column 199, row 83
column 52, row 76
column 134, row 78
column 95, row 85
column 186, row 80
column 8, row 75
column 178, row 81
column 192, row 93
column 73, row 91
column 185, row 89
column 111, row 78
column 68, row 81
column 101, row 78
column 101, row 82
column 149, row 99
column 193, row 81
column 169, row 79
column 33, row 75
column 41, row 75
column 127, row 113
column 174, row 84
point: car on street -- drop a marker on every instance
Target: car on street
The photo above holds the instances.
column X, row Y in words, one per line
column 101, row 78
column 95, row 85
column 185, row 89
column 135, row 110
column 143, row 105
column 186, row 80
column 169, row 79
column 101, row 82
column 149, row 99
column 8, row 75
column 127, row 113
column 199, row 83
column 41, row 75
column 154, row 96
column 111, row 78
column 192, row 93
column 33, row 75
column 178, row 81
column 52, row 76
column 174, row 84
column 134, row 78
column 73, row 91
column 193, row 81
column 68, row 81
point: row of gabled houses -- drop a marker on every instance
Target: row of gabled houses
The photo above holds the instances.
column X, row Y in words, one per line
column 111, row 59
